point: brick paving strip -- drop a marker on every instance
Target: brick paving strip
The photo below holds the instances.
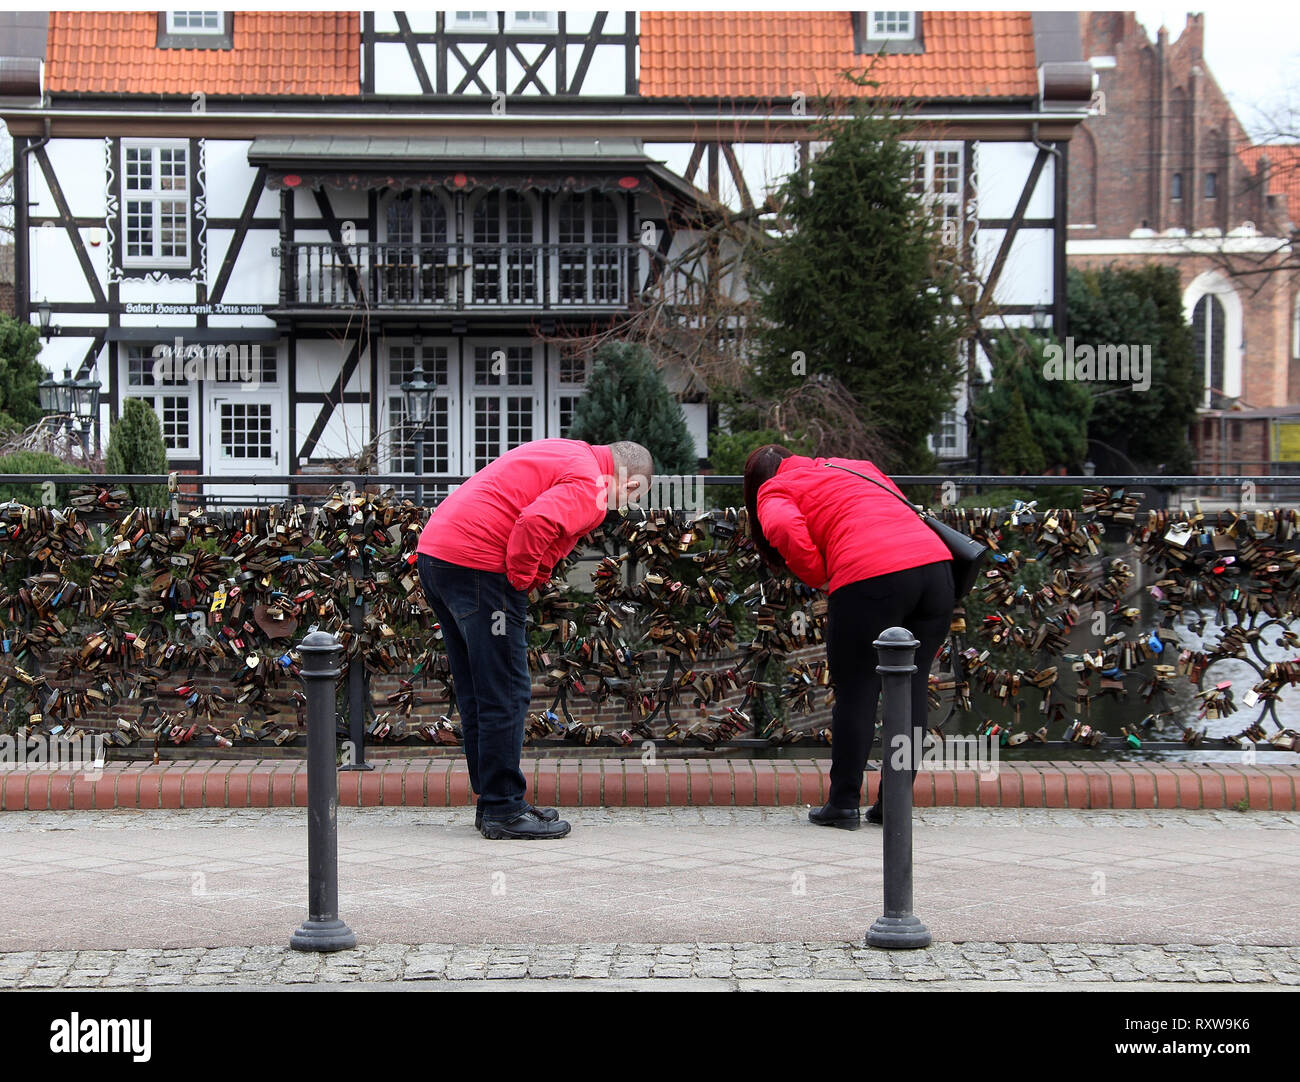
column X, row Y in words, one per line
column 627, row 782
column 1115, row 966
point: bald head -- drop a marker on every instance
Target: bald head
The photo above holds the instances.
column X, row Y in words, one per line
column 634, row 458
column 633, row 470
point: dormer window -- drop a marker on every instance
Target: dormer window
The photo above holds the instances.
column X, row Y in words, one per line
column 471, row 20
column 195, row 30
column 887, row 32
column 531, row 21
column 891, row 25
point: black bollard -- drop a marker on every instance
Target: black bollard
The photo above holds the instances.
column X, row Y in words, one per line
column 322, row 931
column 899, row 928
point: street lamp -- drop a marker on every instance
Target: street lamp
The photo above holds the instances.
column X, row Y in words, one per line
column 1040, row 316
column 417, row 399
column 43, row 311
column 77, row 400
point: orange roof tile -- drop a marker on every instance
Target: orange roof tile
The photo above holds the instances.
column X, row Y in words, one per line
column 968, row 54
column 301, row 52
column 1283, row 171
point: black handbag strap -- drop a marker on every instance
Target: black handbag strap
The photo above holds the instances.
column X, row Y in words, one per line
column 904, row 502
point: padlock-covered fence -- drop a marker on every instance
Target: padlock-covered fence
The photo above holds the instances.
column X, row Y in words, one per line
column 174, row 627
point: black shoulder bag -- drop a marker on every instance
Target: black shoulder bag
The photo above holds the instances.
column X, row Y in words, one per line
column 968, row 555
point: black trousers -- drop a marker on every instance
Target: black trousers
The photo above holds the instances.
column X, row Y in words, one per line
column 482, row 618
column 917, row 598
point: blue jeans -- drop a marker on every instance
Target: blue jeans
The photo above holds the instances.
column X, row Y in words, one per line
column 482, row 618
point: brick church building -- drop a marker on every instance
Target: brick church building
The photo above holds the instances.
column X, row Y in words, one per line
column 1164, row 172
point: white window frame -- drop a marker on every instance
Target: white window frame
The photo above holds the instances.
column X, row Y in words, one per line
column 276, row 353
column 1295, row 329
column 622, row 268
column 471, row 392
column 392, row 398
column 908, row 34
column 216, row 31
column 527, row 26
column 151, row 393
column 947, row 205
column 503, row 268
column 469, row 22
column 156, row 196
column 1212, row 282
column 562, row 388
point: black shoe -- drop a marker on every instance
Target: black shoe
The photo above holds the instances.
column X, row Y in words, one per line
column 844, row 818
column 875, row 814
column 525, row 826
column 549, row 814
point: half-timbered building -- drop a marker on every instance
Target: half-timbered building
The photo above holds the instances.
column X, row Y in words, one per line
column 351, row 196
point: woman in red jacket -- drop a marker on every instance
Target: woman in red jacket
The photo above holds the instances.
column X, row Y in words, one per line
column 882, row 566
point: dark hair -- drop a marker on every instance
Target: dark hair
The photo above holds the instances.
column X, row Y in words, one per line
column 760, row 466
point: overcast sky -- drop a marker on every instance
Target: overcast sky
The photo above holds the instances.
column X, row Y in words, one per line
column 1252, row 48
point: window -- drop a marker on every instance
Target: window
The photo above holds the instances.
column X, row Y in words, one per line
column 195, row 22
column 522, row 21
column 471, row 20
column 890, row 25
column 887, row 32
column 173, row 400
column 155, row 204
column 503, row 410
column 1295, row 329
column 1211, row 185
column 439, row 457
column 937, row 179
column 945, row 440
column 414, row 267
column 1208, row 327
column 195, row 30
column 505, row 255
column 588, row 255
column 570, row 381
column 1176, row 186
column 246, row 430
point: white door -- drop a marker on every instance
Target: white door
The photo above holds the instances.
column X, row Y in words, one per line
column 245, row 438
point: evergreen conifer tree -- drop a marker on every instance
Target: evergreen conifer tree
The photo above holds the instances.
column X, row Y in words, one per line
column 136, row 446
column 627, row 399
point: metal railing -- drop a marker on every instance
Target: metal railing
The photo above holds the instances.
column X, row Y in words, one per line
column 322, row 483
column 456, row 277
column 1160, row 489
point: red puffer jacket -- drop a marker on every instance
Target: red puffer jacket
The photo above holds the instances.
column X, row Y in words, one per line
column 523, row 512
column 833, row 528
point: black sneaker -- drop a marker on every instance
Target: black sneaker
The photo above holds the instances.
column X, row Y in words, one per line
column 525, row 826
column 844, row 818
column 549, row 814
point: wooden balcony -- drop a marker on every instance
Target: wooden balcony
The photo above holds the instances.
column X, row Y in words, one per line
column 381, row 276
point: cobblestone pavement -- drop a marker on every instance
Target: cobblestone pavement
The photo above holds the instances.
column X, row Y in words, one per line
column 1052, row 966
column 216, row 893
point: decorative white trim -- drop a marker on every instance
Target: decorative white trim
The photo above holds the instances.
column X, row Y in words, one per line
column 117, row 271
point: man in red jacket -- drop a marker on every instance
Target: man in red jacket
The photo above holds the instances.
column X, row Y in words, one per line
column 498, row 536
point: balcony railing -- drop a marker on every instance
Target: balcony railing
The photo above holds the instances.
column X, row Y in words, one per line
column 456, row 277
